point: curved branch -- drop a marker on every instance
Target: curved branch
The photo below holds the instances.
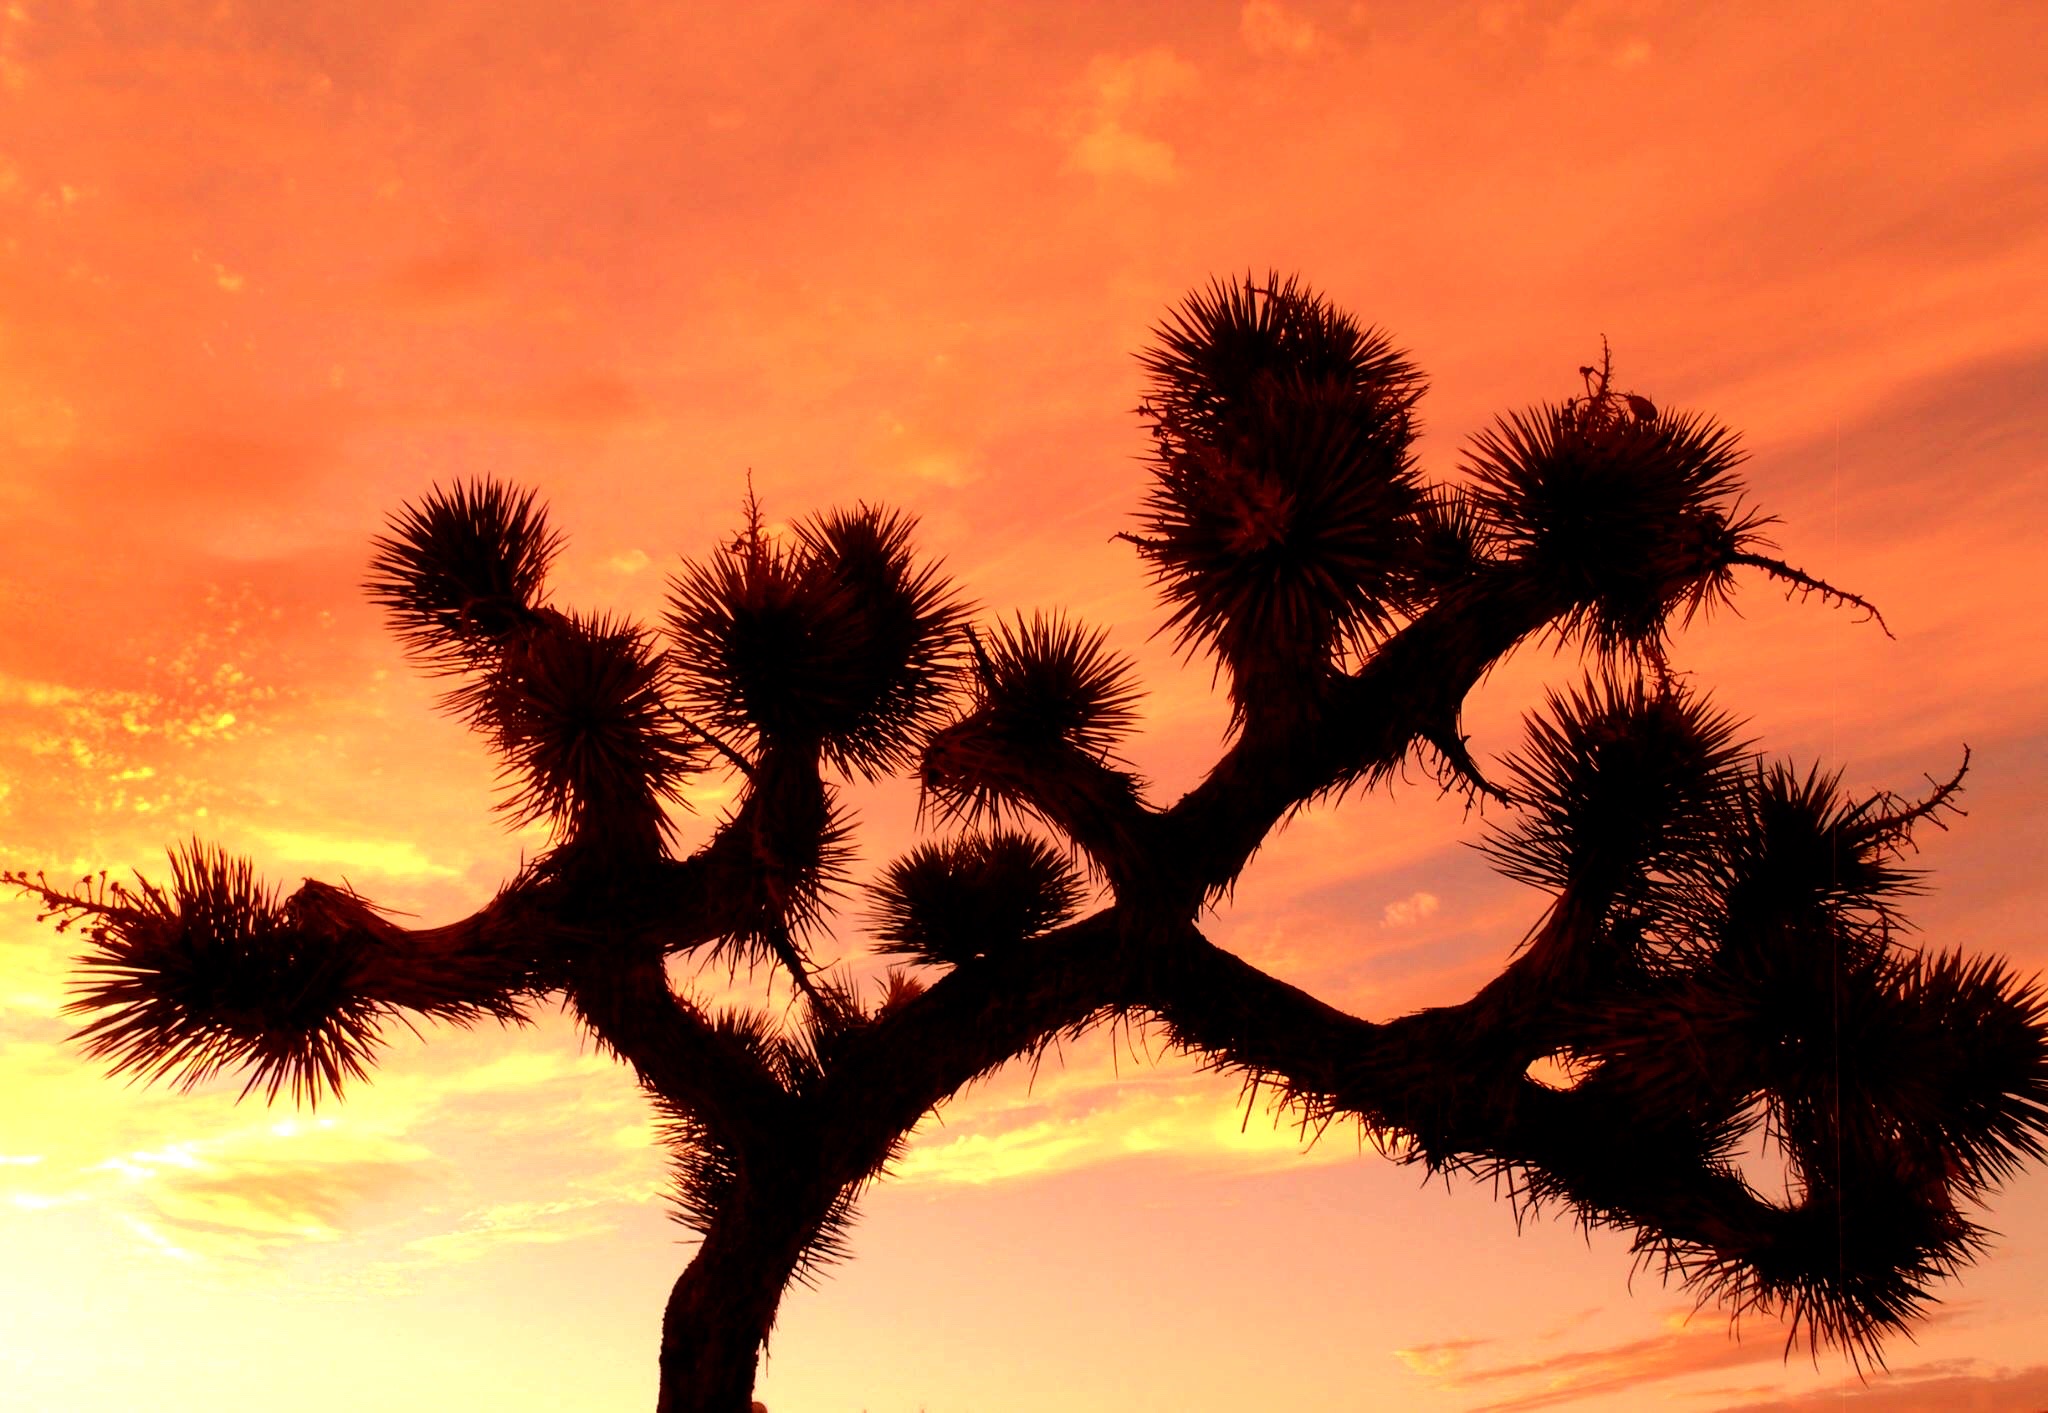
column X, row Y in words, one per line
column 1895, row 816
column 1417, row 681
column 1850, row 1258
column 1804, row 584
column 980, row 1015
column 678, row 1052
column 213, row 972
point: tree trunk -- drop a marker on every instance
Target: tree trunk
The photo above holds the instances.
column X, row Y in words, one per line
column 719, row 1315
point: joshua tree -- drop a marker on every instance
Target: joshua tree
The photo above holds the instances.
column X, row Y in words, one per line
column 1720, row 955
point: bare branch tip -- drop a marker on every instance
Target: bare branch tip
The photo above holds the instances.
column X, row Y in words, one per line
column 1804, row 584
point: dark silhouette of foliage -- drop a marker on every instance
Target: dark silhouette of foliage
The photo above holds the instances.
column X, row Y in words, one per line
column 1721, row 955
column 1281, row 513
column 950, row 902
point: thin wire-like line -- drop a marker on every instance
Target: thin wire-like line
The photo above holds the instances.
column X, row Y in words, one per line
column 1834, row 721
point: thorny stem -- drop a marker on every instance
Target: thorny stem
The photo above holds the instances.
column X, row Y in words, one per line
column 1804, row 583
column 1899, row 827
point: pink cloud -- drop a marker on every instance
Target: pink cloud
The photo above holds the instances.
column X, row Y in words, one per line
column 1954, row 1386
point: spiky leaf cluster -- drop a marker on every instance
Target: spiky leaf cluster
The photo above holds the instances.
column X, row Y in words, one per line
column 1896, row 1089
column 212, row 974
column 576, row 707
column 1047, row 681
column 705, row 1170
column 1798, row 853
column 834, row 638
column 977, row 895
column 1978, row 1126
column 1760, row 983
column 216, row 973
column 1628, row 519
column 1047, row 695
column 462, row 570
column 1623, row 783
column 1453, row 545
column 574, row 704
column 1230, row 349
column 1278, row 523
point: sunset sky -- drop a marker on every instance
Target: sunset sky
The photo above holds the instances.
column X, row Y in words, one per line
column 269, row 269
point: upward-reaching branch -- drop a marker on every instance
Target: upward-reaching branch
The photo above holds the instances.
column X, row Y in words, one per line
column 1048, row 709
column 1413, row 688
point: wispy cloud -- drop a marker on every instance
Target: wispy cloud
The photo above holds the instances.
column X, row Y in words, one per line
column 1271, row 28
column 262, row 1201
column 231, row 1185
column 1409, row 910
column 486, row 1229
column 236, row 1194
column 1685, row 1346
column 1081, row 1118
column 1952, row 1385
column 1439, row 1359
column 1110, row 133
column 349, row 855
column 1690, row 1343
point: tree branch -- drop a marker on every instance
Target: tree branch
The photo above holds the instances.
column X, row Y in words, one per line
column 1804, row 584
column 1849, row 1257
column 680, row 1054
column 1417, row 681
column 213, row 972
column 977, row 1017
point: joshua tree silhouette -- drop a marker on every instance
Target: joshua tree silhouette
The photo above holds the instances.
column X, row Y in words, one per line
column 1720, row 954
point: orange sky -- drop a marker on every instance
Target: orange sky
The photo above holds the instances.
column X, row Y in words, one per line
column 266, row 270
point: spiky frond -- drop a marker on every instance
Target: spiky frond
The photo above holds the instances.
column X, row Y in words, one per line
column 1865, row 1074
column 1278, row 524
column 1895, row 1085
column 946, row 903
column 1979, row 1108
column 1896, row 1088
column 1049, row 680
column 836, row 638
column 1453, row 545
column 461, row 570
column 704, row 1167
column 830, row 1240
column 743, row 624
column 707, row 1173
column 898, row 628
column 1795, row 852
column 1622, row 783
column 1632, row 521
column 1049, row 704
column 575, row 705
column 1234, row 347
column 1846, row 1270
column 215, row 973
column 899, row 988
